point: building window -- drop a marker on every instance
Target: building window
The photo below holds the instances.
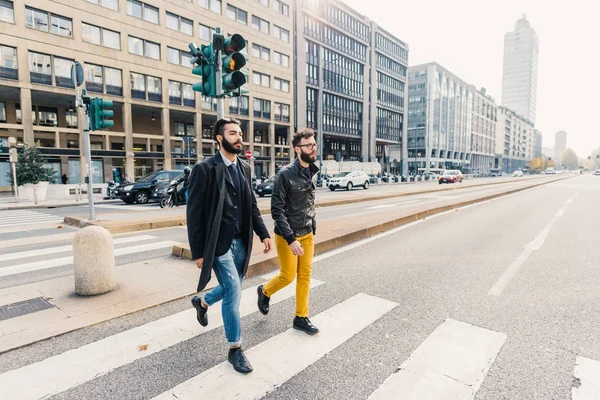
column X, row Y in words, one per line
column 239, row 105
column 7, row 12
column 181, row 94
column 183, row 129
column 178, row 57
column 40, row 68
column 282, row 112
column 263, row 2
column 281, row 8
column 62, row 72
column 259, row 79
column 281, row 59
column 237, row 14
column 8, row 63
column 71, row 118
column 113, row 78
column 260, row 24
column 94, row 78
column 58, row 25
column 112, row 4
column 175, row 93
column 143, row 47
column 212, row 5
column 262, row 108
column 261, row 52
column 100, row 36
column 281, row 85
column 2, row 111
column 205, row 32
column 143, row 11
column 146, row 87
column 281, row 33
column 177, row 23
column 101, row 79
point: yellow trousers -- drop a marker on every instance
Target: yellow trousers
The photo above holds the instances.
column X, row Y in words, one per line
column 292, row 266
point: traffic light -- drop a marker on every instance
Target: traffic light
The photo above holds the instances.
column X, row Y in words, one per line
column 100, row 114
column 204, row 58
column 232, row 61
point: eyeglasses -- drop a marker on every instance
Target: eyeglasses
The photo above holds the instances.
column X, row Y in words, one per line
column 310, row 146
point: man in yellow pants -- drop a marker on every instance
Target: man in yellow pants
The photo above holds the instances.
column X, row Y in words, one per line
column 293, row 210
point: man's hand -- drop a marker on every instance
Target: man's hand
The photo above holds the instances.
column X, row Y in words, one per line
column 199, row 262
column 268, row 245
column 297, row 249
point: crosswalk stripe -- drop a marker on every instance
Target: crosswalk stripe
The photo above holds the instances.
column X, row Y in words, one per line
column 587, row 371
column 61, row 249
column 58, row 262
column 283, row 356
column 74, row 367
column 450, row 364
column 21, row 221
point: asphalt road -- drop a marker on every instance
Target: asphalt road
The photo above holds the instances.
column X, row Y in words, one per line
column 523, row 267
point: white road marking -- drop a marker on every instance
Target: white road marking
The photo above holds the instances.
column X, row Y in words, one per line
column 392, row 204
column 61, row 249
column 59, row 262
column 283, row 356
column 532, row 246
column 74, row 367
column 587, row 372
column 450, row 364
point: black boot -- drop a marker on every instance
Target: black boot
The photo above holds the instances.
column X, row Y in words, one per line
column 304, row 324
column 239, row 361
column 263, row 301
column 200, row 311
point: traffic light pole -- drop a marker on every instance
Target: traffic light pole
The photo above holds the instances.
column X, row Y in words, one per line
column 219, row 79
column 88, row 156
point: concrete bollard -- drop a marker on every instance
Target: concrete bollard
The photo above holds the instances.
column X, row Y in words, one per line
column 94, row 261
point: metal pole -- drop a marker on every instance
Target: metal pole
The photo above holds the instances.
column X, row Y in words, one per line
column 219, row 79
column 88, row 155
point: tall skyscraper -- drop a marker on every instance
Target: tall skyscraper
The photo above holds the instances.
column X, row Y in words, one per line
column 519, row 78
column 560, row 145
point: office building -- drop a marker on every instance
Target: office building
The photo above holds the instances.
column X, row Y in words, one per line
column 136, row 54
column 560, row 145
column 483, row 136
column 537, row 150
column 514, row 141
column 351, row 84
column 520, row 69
column 440, row 118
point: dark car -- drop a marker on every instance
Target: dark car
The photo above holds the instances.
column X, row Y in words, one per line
column 265, row 187
column 141, row 191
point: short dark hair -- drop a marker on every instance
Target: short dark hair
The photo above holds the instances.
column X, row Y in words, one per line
column 219, row 128
column 305, row 133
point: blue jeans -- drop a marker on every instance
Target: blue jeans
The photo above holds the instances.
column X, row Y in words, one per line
column 228, row 270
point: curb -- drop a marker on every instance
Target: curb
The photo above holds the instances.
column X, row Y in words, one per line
column 183, row 251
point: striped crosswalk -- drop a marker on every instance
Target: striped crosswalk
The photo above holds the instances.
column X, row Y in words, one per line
column 26, row 217
column 451, row 363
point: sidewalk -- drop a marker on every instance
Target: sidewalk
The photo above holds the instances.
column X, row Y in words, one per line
column 149, row 283
column 10, row 203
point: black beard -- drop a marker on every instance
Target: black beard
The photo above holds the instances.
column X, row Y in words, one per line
column 307, row 158
column 228, row 147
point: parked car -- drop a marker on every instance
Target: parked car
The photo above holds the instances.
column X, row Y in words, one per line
column 142, row 191
column 518, row 174
column 265, row 187
column 429, row 176
column 451, row 176
column 349, row 180
column 597, row 172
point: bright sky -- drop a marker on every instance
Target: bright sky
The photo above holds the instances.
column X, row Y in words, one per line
column 467, row 38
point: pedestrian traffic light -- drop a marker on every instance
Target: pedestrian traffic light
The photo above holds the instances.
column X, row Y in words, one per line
column 232, row 61
column 204, row 60
column 100, row 114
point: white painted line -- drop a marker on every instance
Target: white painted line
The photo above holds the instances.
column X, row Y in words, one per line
column 450, row 364
column 392, row 204
column 74, row 367
column 59, row 262
column 130, row 207
column 587, row 372
column 532, row 246
column 283, row 356
column 53, row 221
column 61, row 249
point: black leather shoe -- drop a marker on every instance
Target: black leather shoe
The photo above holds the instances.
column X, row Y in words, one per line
column 239, row 361
column 304, row 324
column 263, row 301
column 200, row 311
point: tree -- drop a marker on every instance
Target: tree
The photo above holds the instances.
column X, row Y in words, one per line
column 30, row 168
column 569, row 159
column 539, row 164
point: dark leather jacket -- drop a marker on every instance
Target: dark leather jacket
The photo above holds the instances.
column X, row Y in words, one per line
column 293, row 202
